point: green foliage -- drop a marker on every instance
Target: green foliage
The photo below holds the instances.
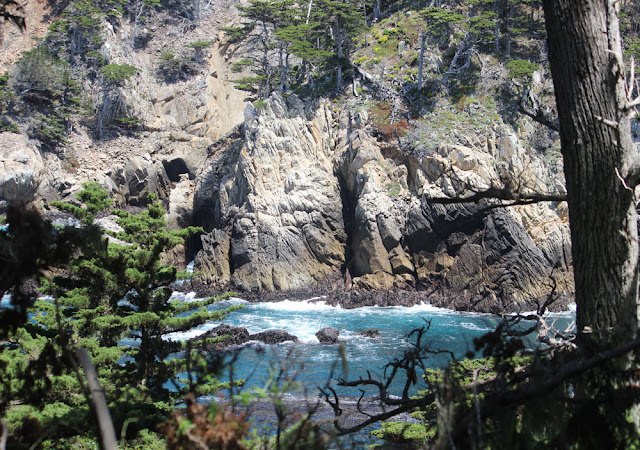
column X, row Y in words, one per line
column 441, row 21
column 49, row 130
column 40, row 75
column 118, row 73
column 241, row 65
column 7, row 96
column 47, row 82
column 172, row 67
column 404, row 432
column 7, row 126
column 200, row 44
column 521, row 69
column 198, row 48
column 237, row 34
column 117, row 288
column 393, row 189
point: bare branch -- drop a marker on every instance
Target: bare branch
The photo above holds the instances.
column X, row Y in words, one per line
column 4, row 436
column 107, row 433
column 514, row 198
column 528, row 106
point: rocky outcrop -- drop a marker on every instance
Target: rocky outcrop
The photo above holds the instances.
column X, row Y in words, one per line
column 309, row 196
column 277, row 221
column 328, row 335
column 370, row 333
column 229, row 336
column 234, row 336
column 21, row 170
column 141, row 176
column 273, row 337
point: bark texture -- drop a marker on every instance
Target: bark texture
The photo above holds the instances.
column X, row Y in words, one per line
column 593, row 107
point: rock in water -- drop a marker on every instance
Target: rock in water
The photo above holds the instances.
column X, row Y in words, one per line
column 328, row 335
column 232, row 336
column 273, row 337
column 371, row 333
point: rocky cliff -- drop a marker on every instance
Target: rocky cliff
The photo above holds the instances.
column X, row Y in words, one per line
column 306, row 199
column 311, row 196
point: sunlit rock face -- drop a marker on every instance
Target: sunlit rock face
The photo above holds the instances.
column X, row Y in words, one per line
column 305, row 196
column 279, row 216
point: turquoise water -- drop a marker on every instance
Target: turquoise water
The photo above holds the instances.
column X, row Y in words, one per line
column 313, row 361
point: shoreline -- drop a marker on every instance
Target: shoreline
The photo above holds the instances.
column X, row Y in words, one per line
column 350, row 299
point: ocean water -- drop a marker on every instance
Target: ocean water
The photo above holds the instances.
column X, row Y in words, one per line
column 311, row 363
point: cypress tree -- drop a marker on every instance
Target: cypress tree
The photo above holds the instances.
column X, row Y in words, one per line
column 112, row 298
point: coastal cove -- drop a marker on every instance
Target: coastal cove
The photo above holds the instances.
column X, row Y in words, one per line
column 310, row 363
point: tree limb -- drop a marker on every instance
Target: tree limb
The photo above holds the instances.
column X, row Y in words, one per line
column 4, row 436
column 107, row 433
column 515, row 198
column 532, row 109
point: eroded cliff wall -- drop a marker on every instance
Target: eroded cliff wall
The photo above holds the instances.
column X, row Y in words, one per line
column 306, row 199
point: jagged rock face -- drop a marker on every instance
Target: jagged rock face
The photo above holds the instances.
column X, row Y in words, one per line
column 309, row 195
column 280, row 221
column 139, row 177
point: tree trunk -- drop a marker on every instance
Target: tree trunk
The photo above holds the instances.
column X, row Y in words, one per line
column 600, row 168
column 309, row 11
column 99, row 403
column 507, row 52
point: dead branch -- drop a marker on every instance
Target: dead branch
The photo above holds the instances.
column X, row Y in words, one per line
column 494, row 193
column 528, row 106
column 519, row 194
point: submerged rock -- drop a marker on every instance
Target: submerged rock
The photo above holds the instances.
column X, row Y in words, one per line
column 371, row 333
column 328, row 335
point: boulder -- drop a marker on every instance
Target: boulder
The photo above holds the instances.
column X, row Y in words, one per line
column 328, row 335
column 273, row 337
column 21, row 169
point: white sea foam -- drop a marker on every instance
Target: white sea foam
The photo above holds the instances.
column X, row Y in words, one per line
column 188, row 297
column 190, row 334
column 473, row 326
column 300, row 306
